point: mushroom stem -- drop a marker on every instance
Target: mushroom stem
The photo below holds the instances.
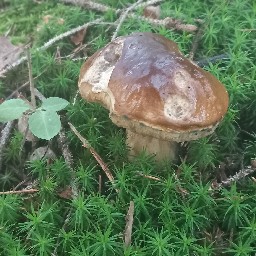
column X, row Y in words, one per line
column 162, row 149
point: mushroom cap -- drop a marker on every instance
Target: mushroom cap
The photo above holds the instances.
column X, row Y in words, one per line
column 150, row 88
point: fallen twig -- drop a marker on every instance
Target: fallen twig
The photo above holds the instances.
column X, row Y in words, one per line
column 238, row 176
column 214, row 59
column 23, row 191
column 128, row 226
column 62, row 141
column 54, row 40
column 94, row 153
column 5, row 133
column 100, row 184
column 22, row 86
column 196, row 40
column 92, row 5
column 66, row 221
column 149, row 2
column 149, row 176
column 123, row 17
column 31, row 80
column 168, row 22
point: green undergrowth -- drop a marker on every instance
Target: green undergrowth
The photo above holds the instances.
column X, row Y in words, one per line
column 177, row 212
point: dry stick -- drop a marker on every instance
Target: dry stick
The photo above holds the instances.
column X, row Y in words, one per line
column 168, row 23
column 63, row 144
column 31, row 80
column 100, row 184
column 67, row 219
column 150, row 2
column 196, row 40
column 95, row 154
column 89, row 4
column 5, row 133
column 23, row 191
column 23, row 86
column 128, row 226
column 104, row 8
column 149, row 176
column 238, row 176
column 123, row 17
column 54, row 40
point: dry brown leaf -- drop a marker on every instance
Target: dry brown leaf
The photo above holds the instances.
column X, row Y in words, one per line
column 23, row 128
column 47, row 18
column 42, row 153
column 66, row 193
column 78, row 37
column 152, row 12
column 9, row 53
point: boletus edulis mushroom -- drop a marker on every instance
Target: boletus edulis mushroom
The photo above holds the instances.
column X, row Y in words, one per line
column 159, row 96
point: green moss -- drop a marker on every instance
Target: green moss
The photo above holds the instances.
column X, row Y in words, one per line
column 176, row 211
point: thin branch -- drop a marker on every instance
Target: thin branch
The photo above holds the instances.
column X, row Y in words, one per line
column 123, row 17
column 31, row 80
column 97, row 157
column 54, row 40
column 168, row 22
column 63, row 144
column 5, row 133
column 23, row 191
column 214, row 59
column 238, row 176
column 92, row 5
column 149, row 2
column 149, row 176
column 129, row 224
column 100, row 184
column 23, row 86
column 89, row 4
column 66, row 221
column 196, row 40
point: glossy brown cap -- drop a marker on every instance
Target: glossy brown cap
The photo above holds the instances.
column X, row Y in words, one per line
column 151, row 88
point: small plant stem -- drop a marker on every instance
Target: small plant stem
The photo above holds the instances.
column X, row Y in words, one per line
column 5, row 133
column 196, row 40
column 31, row 81
column 123, row 17
column 23, row 191
column 95, row 154
column 129, row 224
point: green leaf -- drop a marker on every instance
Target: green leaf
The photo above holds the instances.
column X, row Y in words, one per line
column 54, row 104
column 12, row 109
column 44, row 124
